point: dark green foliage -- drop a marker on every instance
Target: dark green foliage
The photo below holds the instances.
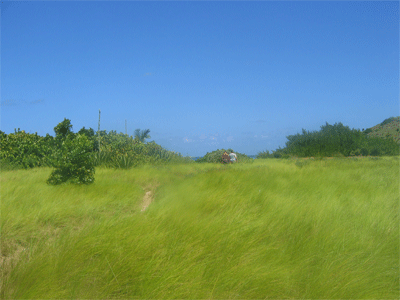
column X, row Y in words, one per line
column 25, row 150
column 74, row 159
column 142, row 135
column 389, row 128
column 337, row 139
column 264, row 154
column 388, row 120
column 216, row 156
column 74, row 162
column 91, row 135
column 2, row 135
column 278, row 153
column 329, row 140
column 88, row 132
column 63, row 129
column 364, row 151
column 368, row 130
column 375, row 152
column 22, row 150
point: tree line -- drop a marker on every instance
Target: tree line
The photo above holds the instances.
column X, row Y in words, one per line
column 78, row 153
column 334, row 140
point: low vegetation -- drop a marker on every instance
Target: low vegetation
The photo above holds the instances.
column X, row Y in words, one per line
column 315, row 229
column 340, row 140
column 21, row 150
column 216, row 156
column 389, row 128
column 75, row 161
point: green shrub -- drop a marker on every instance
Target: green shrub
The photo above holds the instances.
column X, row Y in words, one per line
column 216, row 156
column 375, row 152
column 364, row 152
column 24, row 150
column 366, row 131
column 74, row 162
column 264, row 154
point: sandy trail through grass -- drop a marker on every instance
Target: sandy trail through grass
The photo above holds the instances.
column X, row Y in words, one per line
column 147, row 199
column 149, row 196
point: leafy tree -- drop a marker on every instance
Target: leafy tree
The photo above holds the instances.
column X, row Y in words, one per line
column 88, row 132
column 91, row 135
column 75, row 162
column 142, row 135
column 63, row 128
column 330, row 140
column 3, row 135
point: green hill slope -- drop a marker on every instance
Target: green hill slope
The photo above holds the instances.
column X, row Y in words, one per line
column 388, row 128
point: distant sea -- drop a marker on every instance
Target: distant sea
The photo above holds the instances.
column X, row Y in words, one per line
column 197, row 157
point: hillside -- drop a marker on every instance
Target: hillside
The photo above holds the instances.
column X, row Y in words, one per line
column 388, row 128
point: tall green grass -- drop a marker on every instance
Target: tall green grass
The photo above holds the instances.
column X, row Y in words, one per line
column 271, row 229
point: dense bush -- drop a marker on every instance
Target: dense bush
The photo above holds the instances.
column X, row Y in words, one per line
column 216, row 157
column 264, row 154
column 331, row 139
column 278, row 153
column 123, row 151
column 110, row 149
column 74, row 162
column 338, row 139
column 117, row 150
column 25, row 150
column 383, row 146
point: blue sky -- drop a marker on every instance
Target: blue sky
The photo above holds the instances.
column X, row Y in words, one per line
column 200, row 75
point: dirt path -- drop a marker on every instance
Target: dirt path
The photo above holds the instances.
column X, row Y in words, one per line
column 147, row 199
column 149, row 196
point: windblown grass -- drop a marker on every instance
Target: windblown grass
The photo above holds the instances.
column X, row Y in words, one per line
column 270, row 229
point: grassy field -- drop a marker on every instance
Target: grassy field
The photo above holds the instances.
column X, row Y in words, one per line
column 322, row 229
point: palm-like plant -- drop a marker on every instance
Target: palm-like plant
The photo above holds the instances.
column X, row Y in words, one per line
column 142, row 135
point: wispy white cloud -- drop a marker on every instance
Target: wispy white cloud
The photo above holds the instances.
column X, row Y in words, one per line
column 9, row 102
column 13, row 102
column 39, row 101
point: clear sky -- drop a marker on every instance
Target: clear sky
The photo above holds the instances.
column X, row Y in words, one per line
column 200, row 75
